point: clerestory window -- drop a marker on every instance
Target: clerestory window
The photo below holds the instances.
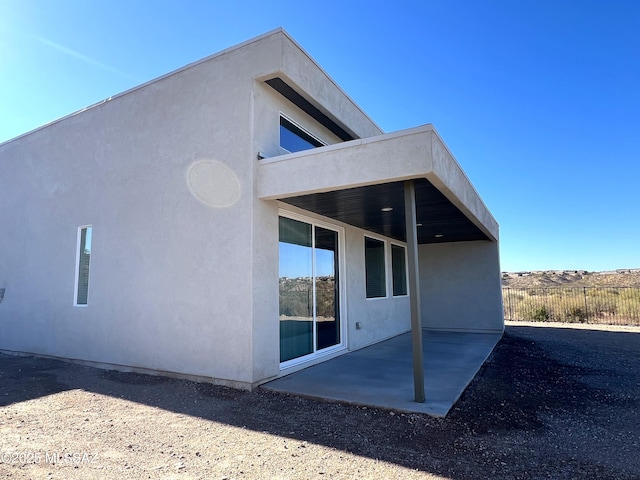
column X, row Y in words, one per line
column 294, row 138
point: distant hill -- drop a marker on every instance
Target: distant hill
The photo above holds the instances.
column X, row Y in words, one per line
column 572, row 278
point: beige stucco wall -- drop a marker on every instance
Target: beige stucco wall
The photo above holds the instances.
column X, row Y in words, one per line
column 460, row 286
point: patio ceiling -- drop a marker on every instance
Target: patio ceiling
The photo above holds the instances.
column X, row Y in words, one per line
column 366, row 207
column 361, row 183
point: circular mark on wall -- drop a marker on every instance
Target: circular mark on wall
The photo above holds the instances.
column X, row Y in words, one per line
column 213, row 183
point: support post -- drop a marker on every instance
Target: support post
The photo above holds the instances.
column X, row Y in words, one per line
column 414, row 288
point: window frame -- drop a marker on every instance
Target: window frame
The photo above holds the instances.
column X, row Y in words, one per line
column 384, row 268
column 311, row 138
column 341, row 273
column 406, row 277
column 76, row 290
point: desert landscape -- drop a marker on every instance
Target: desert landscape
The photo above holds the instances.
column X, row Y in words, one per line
column 573, row 296
column 572, row 278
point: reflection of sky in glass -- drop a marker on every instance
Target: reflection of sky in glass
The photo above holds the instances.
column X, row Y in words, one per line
column 293, row 142
column 295, row 261
column 324, row 263
column 87, row 241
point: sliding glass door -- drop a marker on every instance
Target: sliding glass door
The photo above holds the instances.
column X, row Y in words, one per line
column 309, row 289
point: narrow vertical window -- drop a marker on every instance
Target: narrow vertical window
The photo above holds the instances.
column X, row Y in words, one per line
column 82, row 267
column 375, row 268
column 399, row 270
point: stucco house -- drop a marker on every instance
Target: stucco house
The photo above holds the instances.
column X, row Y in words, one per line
column 234, row 221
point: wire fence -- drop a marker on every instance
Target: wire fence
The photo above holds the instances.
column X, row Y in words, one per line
column 609, row 305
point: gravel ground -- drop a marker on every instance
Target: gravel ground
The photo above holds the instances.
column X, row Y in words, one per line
column 551, row 402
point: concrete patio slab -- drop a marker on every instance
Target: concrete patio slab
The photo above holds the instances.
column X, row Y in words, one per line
column 381, row 375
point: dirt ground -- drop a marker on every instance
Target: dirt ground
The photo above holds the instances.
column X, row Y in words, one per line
column 551, row 402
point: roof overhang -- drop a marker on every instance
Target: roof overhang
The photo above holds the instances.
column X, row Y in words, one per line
column 358, row 181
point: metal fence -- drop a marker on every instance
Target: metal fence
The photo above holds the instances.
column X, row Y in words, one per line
column 610, row 305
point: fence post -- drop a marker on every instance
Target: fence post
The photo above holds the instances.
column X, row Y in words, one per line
column 586, row 307
column 509, row 297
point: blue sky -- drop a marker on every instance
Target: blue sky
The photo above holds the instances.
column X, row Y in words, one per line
column 538, row 100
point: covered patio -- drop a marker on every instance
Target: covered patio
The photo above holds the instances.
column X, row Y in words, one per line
column 405, row 186
column 381, row 375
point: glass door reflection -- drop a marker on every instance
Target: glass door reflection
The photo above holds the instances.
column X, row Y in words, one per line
column 296, row 289
column 326, row 285
column 309, row 289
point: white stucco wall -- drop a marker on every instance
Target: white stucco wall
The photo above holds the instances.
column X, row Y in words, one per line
column 176, row 284
column 184, row 265
column 267, row 107
column 416, row 152
column 460, row 286
column 297, row 69
column 380, row 318
column 170, row 282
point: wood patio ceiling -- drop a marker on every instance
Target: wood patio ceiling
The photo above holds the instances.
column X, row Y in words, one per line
column 438, row 219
